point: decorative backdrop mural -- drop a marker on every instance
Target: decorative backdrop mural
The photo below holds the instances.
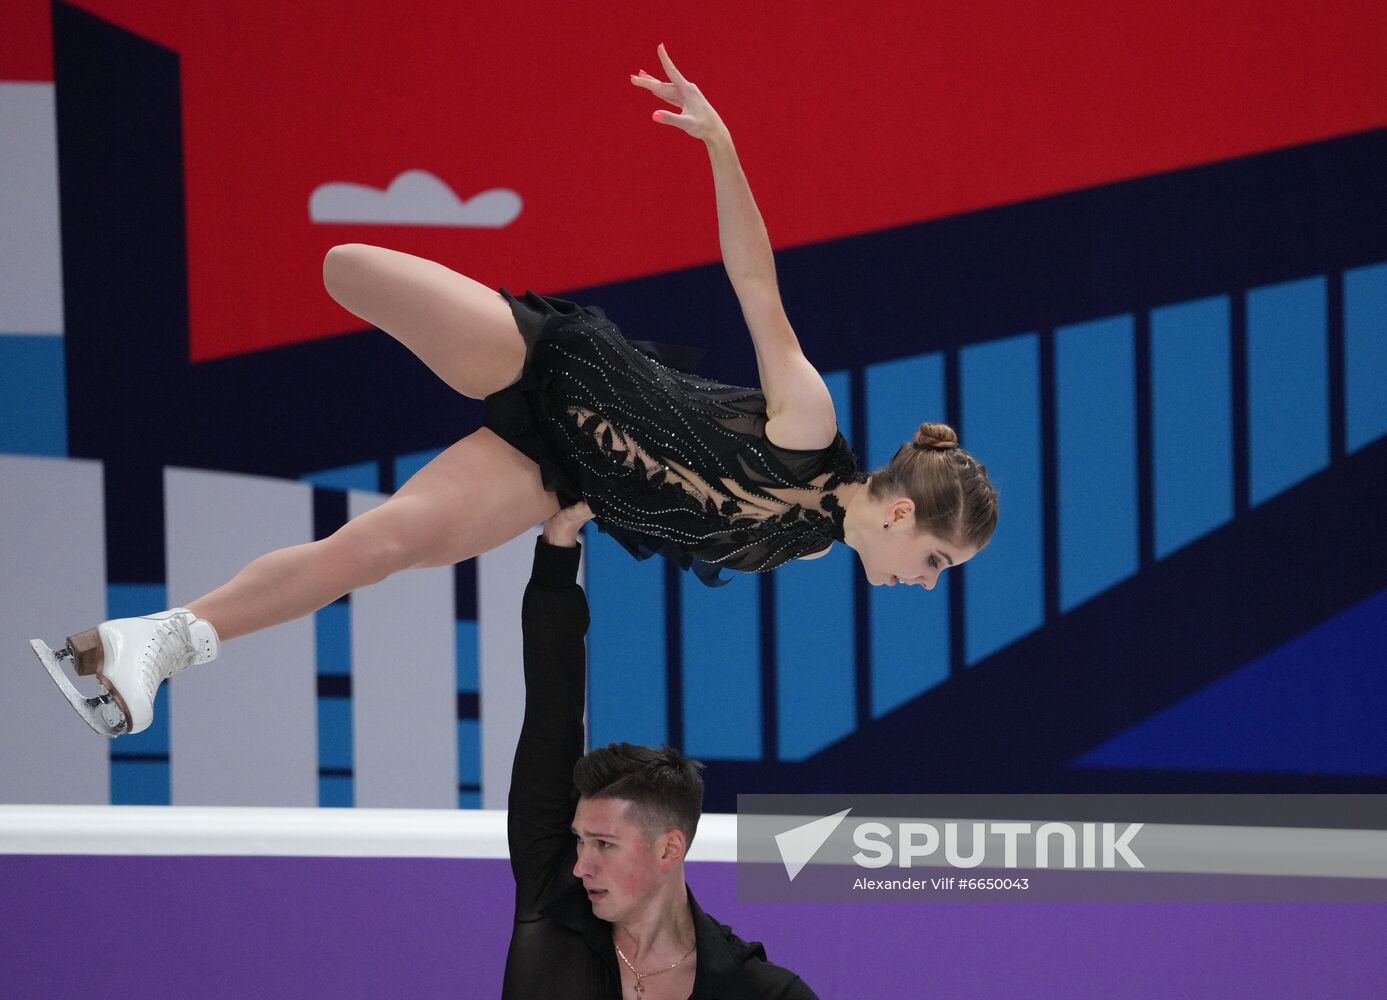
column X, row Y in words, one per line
column 1138, row 259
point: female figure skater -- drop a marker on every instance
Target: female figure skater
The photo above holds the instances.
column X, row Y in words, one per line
column 713, row 475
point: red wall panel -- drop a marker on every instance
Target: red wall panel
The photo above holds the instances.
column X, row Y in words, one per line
column 26, row 41
column 848, row 117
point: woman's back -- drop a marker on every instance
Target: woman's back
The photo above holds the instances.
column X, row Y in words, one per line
column 669, row 461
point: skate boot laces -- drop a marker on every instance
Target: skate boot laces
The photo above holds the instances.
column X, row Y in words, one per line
column 168, row 650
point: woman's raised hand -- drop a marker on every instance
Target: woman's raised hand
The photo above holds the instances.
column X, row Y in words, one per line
column 696, row 116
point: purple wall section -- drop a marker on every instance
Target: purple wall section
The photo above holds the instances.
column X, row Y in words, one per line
column 306, row 928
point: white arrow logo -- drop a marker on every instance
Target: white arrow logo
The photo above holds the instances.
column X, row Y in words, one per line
column 798, row 846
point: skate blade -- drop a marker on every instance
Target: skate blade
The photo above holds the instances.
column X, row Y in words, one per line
column 94, row 711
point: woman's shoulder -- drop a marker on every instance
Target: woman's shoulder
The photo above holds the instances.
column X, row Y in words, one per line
column 836, row 455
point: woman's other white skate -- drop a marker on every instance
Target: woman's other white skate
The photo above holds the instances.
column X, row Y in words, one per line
column 130, row 658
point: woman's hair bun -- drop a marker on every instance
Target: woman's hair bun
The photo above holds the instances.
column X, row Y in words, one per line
column 938, row 437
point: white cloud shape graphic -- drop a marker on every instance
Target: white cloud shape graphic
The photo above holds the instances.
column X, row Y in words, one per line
column 415, row 198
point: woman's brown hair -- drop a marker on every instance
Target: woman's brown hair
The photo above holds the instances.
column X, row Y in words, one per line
column 953, row 497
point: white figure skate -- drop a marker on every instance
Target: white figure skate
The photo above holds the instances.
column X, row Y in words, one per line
column 130, row 657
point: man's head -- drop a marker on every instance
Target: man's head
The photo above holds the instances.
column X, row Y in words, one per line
column 638, row 810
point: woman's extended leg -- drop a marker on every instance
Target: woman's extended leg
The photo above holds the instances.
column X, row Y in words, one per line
column 463, row 330
column 476, row 495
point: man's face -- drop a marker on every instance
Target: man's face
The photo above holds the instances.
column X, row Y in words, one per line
column 618, row 864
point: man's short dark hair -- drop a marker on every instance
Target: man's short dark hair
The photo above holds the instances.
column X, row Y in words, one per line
column 663, row 786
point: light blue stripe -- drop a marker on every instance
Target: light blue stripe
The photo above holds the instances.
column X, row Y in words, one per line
column 332, row 626
column 720, row 637
column 335, row 733
column 1191, row 421
column 130, row 600
column 1287, row 385
column 33, row 395
column 139, row 782
column 336, row 791
column 365, row 476
column 839, row 385
column 407, row 465
column 909, row 629
column 1096, row 444
column 469, row 752
column 468, row 657
column 901, row 395
column 1365, row 355
column 626, row 646
column 816, row 687
column 1004, row 587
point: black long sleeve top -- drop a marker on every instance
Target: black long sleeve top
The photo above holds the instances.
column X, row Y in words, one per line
column 559, row 949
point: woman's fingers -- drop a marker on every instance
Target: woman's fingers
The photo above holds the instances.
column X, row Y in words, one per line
column 664, row 91
column 684, row 122
column 674, row 75
column 679, row 92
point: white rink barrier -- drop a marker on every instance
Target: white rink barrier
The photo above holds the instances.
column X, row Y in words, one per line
column 231, row 831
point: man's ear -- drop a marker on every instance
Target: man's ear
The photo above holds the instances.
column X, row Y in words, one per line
column 673, row 848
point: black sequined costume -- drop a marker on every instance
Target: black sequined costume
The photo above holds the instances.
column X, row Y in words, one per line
column 669, row 462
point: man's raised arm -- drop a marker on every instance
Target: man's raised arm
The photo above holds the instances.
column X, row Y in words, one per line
column 554, row 619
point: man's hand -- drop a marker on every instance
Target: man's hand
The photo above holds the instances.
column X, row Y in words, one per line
column 562, row 529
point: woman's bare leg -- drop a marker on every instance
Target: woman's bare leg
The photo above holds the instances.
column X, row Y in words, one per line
column 478, row 494
column 463, row 330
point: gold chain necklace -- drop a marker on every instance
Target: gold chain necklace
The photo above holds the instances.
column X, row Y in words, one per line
column 641, row 976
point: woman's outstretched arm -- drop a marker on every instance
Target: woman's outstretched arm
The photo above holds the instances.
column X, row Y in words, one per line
column 798, row 405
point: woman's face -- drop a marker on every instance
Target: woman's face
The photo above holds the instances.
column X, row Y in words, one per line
column 901, row 553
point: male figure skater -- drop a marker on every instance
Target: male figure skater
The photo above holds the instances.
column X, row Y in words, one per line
column 601, row 907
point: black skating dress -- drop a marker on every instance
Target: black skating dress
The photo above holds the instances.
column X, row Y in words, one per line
column 670, row 463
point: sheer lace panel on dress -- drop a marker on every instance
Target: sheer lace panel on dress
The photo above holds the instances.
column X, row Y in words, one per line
column 759, row 504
